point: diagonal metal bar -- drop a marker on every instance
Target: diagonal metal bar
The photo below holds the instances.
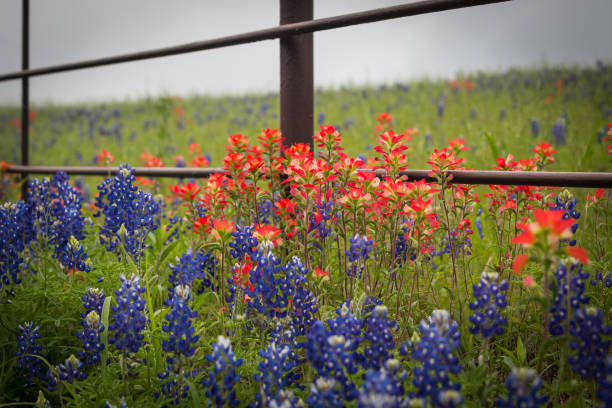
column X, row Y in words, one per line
column 328, row 23
column 486, row 177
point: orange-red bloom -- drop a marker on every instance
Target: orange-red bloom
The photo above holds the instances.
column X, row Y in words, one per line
column 187, row 192
column 519, row 263
column 578, row 253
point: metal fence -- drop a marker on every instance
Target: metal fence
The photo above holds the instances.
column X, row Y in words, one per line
column 296, row 89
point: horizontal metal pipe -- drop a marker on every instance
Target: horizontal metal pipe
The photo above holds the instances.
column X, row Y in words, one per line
column 370, row 16
column 514, row 178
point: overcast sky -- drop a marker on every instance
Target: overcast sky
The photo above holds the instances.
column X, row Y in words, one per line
column 518, row 33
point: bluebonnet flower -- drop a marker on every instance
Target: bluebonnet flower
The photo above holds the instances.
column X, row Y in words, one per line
column 566, row 202
column 265, row 277
column 320, row 218
column 321, row 119
column 348, row 325
column 275, row 372
column 604, row 392
column 93, row 301
column 179, row 324
column 128, row 316
column 535, row 128
column 122, row 404
column 180, row 343
column 559, row 130
column 383, row 387
column 324, row 393
column 360, row 250
column 74, row 256
column 435, row 352
column 490, row 299
column 221, row 381
column 502, row 114
column 590, row 348
column 568, row 291
column 602, row 277
column 448, row 399
column 286, row 399
column 90, row 338
column 478, row 223
column 16, row 231
column 175, row 224
column 459, row 238
column 244, row 242
column 191, row 266
column 441, row 107
column 332, row 356
column 473, row 113
column 265, row 211
column 129, row 213
column 71, row 370
column 29, row 366
column 54, row 207
column 52, row 379
column 402, row 249
column 523, row 386
column 304, row 304
column 379, row 333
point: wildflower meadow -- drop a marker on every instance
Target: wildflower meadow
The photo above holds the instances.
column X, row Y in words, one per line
column 315, row 277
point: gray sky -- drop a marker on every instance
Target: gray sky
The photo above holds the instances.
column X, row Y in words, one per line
column 520, row 33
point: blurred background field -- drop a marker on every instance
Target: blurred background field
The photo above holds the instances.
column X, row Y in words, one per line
column 498, row 114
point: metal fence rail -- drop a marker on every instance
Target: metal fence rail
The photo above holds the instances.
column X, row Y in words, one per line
column 524, row 178
column 296, row 89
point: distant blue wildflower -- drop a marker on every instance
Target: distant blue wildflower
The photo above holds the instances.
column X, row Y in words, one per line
column 535, row 128
column 559, row 131
column 478, row 223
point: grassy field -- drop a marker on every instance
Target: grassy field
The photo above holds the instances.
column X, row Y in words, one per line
column 500, row 105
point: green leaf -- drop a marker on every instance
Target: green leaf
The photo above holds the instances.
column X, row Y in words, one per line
column 105, row 317
column 195, row 394
column 492, row 145
column 521, row 353
column 167, row 251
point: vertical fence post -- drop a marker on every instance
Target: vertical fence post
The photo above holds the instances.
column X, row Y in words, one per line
column 296, row 72
column 25, row 95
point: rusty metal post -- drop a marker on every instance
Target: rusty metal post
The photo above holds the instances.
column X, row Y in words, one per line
column 25, row 95
column 296, row 73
